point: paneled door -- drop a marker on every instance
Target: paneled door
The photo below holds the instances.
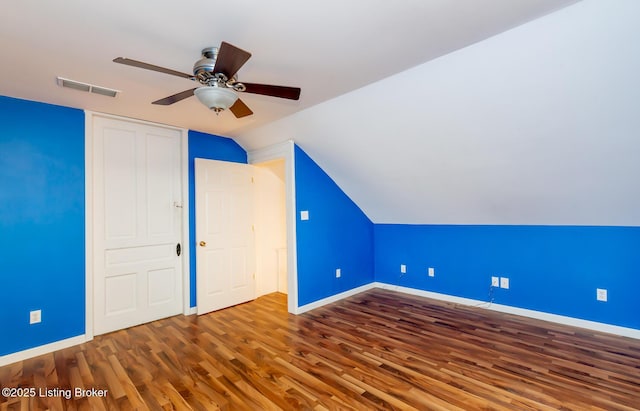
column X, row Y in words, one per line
column 137, row 206
column 225, row 243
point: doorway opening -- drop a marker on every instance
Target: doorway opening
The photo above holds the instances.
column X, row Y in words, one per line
column 271, row 223
column 278, row 157
column 277, row 237
column 270, row 266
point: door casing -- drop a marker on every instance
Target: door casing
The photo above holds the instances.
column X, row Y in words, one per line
column 285, row 151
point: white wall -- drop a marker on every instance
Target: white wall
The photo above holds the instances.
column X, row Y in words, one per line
column 538, row 125
column 270, row 227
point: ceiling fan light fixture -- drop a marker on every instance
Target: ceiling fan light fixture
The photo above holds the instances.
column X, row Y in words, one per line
column 216, row 98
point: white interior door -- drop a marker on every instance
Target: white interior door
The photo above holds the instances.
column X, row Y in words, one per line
column 225, row 244
column 137, row 223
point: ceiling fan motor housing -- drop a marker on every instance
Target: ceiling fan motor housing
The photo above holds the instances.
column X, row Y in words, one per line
column 204, row 67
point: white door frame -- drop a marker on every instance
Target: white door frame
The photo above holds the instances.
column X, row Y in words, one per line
column 286, row 151
column 89, row 214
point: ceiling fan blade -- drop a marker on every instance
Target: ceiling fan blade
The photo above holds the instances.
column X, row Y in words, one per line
column 291, row 93
column 230, row 59
column 174, row 98
column 239, row 109
column 147, row 66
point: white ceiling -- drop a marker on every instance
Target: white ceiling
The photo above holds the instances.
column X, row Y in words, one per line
column 328, row 48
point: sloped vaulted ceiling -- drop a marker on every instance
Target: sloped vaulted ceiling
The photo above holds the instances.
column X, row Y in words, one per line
column 537, row 125
column 423, row 111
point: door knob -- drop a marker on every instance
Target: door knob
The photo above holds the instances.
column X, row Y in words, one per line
column 202, row 243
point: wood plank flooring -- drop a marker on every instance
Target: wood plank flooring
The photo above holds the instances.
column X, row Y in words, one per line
column 375, row 350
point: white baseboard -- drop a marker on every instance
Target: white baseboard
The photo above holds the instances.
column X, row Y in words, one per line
column 41, row 350
column 55, row 346
column 539, row 315
column 334, row 298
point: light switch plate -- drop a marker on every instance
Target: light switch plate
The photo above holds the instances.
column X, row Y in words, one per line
column 304, row 215
column 601, row 294
column 35, row 316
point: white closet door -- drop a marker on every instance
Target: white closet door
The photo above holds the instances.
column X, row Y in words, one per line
column 137, row 194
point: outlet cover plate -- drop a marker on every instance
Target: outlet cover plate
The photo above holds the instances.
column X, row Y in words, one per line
column 431, row 272
column 495, row 281
column 338, row 273
column 504, row 282
column 403, row 268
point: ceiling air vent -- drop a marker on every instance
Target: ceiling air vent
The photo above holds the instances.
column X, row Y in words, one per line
column 90, row 88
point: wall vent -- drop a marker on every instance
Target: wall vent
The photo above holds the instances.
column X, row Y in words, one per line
column 90, row 88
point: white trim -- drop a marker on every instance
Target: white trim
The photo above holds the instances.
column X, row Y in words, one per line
column 133, row 120
column 286, row 151
column 335, row 298
column 186, row 250
column 88, row 223
column 274, row 152
column 42, row 349
column 292, row 243
column 539, row 315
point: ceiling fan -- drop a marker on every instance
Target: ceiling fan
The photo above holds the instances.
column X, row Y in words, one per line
column 216, row 72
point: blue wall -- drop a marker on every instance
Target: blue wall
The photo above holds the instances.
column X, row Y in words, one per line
column 553, row 269
column 337, row 235
column 202, row 145
column 42, row 219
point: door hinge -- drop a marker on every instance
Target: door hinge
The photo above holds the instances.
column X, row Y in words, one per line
column 252, row 179
column 253, row 228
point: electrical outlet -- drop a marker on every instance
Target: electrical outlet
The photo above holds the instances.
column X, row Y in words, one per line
column 403, row 268
column 504, row 282
column 601, row 294
column 431, row 272
column 495, row 282
column 35, row 316
column 338, row 273
column 304, row 215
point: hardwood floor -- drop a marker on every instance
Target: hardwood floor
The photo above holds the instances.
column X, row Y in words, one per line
column 375, row 350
